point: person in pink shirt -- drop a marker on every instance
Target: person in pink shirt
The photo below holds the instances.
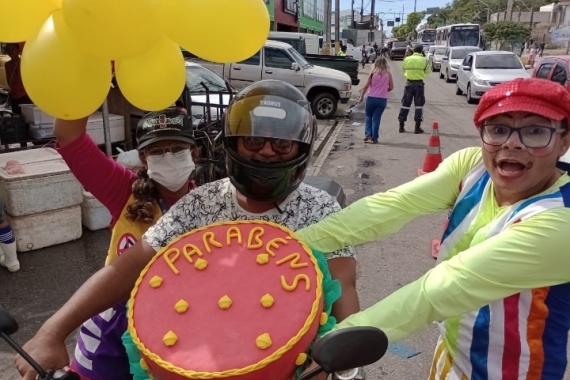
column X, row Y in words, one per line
column 378, row 84
column 136, row 201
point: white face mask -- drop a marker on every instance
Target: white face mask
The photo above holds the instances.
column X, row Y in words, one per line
column 171, row 170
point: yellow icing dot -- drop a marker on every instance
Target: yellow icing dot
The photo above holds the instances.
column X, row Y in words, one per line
column 201, row 264
column 262, row 258
column 267, row 300
column 181, row 306
column 170, row 338
column 225, row 302
column 324, row 318
column 263, row 341
column 301, row 358
column 155, row 282
column 144, row 365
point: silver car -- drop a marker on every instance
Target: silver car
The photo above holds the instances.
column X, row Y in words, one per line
column 435, row 56
column 480, row 71
column 452, row 60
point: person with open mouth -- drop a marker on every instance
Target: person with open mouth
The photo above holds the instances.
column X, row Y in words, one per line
column 500, row 292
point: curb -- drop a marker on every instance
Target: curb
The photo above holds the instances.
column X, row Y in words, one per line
column 317, row 166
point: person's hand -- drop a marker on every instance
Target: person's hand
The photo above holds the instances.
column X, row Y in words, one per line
column 320, row 376
column 49, row 351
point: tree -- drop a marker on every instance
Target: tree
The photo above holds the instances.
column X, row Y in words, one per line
column 506, row 33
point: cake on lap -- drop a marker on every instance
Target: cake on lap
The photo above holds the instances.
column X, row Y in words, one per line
column 234, row 300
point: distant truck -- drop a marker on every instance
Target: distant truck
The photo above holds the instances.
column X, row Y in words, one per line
column 308, row 46
column 324, row 87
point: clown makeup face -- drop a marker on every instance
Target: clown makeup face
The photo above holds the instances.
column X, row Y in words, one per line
column 520, row 151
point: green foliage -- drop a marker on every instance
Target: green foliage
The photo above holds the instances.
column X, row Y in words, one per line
column 409, row 28
column 504, row 31
column 463, row 11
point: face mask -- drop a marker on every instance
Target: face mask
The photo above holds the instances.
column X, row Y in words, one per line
column 171, row 170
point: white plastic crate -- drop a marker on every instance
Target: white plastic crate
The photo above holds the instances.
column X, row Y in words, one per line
column 46, row 229
column 44, row 186
column 29, row 156
column 97, row 133
column 94, row 215
column 33, row 115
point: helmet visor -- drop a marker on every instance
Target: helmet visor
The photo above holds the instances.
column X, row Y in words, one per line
column 270, row 116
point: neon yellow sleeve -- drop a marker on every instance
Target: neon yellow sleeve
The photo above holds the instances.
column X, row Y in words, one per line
column 385, row 213
column 528, row 255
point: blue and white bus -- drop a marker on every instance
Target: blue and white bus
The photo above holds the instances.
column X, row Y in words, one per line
column 458, row 35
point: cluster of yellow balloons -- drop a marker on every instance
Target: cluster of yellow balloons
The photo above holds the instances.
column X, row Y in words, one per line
column 71, row 44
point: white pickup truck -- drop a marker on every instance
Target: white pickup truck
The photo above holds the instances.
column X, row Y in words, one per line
column 323, row 87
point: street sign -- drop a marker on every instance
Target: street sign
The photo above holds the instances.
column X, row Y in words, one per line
column 432, row 11
column 389, row 23
column 560, row 35
column 397, row 19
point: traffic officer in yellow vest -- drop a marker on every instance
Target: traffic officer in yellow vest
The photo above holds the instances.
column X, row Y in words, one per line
column 415, row 69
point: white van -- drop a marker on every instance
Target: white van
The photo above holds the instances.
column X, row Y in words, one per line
column 311, row 40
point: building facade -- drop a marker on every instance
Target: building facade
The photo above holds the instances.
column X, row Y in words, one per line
column 271, row 8
column 286, row 15
column 312, row 18
column 345, row 21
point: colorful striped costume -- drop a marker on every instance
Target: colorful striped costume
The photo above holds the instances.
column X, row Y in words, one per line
column 522, row 337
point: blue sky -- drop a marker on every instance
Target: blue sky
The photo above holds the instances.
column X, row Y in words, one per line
column 388, row 7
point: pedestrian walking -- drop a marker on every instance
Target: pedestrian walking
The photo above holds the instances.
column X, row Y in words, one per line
column 541, row 50
column 415, row 67
column 379, row 83
column 532, row 55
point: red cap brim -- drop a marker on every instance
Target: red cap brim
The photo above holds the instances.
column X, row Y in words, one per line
column 522, row 104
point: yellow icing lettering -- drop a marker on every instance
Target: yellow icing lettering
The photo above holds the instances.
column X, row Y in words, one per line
column 296, row 280
column 294, row 257
column 255, row 234
column 233, row 232
column 191, row 250
column 210, row 239
column 175, row 253
column 273, row 244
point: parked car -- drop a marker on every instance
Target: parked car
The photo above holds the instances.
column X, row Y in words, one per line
column 480, row 71
column 398, row 50
column 452, row 60
column 554, row 68
column 218, row 94
column 323, row 87
column 435, row 55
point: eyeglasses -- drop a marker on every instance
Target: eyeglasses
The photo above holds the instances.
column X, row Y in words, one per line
column 159, row 150
column 532, row 136
column 279, row 146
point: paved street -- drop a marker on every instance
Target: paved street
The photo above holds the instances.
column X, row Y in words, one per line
column 51, row 275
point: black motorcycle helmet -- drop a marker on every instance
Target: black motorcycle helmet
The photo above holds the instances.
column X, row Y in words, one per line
column 275, row 109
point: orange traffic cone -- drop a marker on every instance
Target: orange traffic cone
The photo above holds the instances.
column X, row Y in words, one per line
column 433, row 156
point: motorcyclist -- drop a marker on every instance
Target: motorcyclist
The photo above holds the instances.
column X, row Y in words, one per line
column 500, row 291
column 269, row 136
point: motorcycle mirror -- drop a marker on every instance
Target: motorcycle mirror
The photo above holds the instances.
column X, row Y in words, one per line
column 350, row 348
column 8, row 324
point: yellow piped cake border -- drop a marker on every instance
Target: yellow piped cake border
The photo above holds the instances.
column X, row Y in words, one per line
column 231, row 372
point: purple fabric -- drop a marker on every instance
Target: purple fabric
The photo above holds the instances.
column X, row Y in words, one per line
column 100, row 353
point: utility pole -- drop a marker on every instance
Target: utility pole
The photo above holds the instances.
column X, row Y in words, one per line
column 327, row 32
column 352, row 15
column 361, row 10
column 415, row 3
column 373, row 16
column 337, row 25
column 402, row 19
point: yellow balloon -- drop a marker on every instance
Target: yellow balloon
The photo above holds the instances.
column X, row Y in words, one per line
column 21, row 18
column 113, row 29
column 221, row 31
column 155, row 80
column 60, row 79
